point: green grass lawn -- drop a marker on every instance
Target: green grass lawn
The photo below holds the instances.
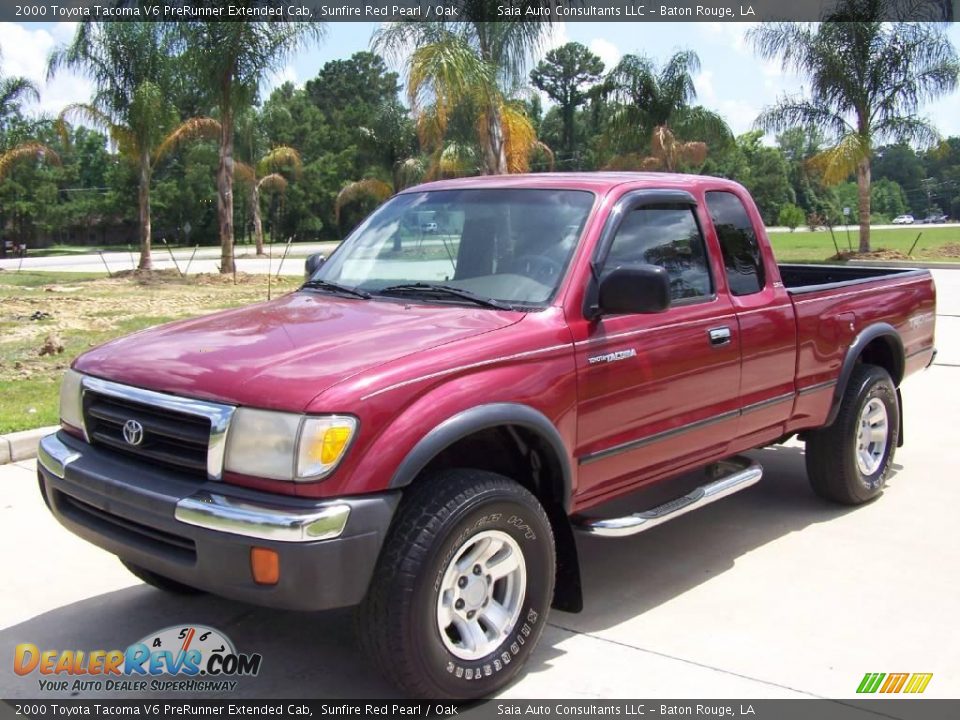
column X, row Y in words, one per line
column 817, row 246
column 82, row 310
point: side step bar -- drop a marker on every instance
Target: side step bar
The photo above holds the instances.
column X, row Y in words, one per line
column 731, row 475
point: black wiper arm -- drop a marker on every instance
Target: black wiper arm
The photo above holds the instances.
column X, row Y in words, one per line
column 337, row 287
column 428, row 289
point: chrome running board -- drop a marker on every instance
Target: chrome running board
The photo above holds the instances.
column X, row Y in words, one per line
column 732, row 475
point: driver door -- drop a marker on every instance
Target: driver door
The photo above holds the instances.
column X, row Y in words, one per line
column 657, row 391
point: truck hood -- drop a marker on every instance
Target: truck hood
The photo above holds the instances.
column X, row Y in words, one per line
column 282, row 354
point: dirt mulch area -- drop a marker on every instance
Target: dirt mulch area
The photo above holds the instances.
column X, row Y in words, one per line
column 44, row 325
column 950, row 250
column 170, row 275
column 881, row 254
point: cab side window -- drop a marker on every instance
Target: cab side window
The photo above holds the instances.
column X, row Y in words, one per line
column 742, row 258
column 669, row 237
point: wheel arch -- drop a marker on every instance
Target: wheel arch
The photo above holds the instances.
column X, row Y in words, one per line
column 879, row 344
column 519, row 442
column 486, row 417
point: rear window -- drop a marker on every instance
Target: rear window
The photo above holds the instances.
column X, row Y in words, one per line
column 742, row 259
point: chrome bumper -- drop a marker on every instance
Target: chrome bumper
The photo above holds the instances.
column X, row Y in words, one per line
column 220, row 513
column 223, row 514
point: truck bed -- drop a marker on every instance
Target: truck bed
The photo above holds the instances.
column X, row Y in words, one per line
column 800, row 279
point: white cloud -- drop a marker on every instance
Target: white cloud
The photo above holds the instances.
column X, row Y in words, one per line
column 606, row 51
column 275, row 79
column 556, row 36
column 25, row 54
column 703, row 83
column 731, row 34
column 738, row 114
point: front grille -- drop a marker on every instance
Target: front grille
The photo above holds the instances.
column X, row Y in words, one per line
column 170, row 439
column 146, row 538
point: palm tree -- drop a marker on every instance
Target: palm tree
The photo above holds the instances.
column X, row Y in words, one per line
column 468, row 63
column 868, row 79
column 655, row 97
column 266, row 175
column 13, row 92
column 230, row 59
column 667, row 153
column 131, row 68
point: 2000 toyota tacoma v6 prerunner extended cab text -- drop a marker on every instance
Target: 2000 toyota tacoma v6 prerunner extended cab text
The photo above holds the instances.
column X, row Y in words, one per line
column 423, row 427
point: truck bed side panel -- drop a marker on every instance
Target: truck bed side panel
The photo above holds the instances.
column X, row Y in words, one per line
column 830, row 319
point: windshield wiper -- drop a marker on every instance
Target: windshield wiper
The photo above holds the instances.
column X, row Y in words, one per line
column 434, row 290
column 336, row 287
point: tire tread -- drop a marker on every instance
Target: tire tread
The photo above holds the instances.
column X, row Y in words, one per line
column 425, row 508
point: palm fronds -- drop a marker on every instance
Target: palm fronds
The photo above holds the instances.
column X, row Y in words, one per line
column 368, row 188
column 836, row 164
column 282, row 157
column 26, row 151
column 200, row 128
column 274, row 182
column 244, row 172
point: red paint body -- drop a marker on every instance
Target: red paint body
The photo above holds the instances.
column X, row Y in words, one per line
column 404, row 368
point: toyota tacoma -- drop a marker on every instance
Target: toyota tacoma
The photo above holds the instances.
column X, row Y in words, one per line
column 422, row 429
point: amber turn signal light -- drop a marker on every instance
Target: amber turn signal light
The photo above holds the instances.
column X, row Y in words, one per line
column 264, row 566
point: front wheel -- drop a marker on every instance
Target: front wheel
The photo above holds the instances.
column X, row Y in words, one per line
column 461, row 591
column 848, row 462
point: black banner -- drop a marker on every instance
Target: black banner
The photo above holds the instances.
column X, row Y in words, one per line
column 454, row 10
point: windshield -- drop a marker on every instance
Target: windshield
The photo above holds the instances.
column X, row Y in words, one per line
column 510, row 246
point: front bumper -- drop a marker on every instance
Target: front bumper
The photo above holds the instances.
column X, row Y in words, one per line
column 201, row 533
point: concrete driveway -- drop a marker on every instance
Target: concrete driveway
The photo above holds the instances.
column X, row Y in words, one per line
column 770, row 593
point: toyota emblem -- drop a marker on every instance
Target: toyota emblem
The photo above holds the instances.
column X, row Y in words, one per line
column 133, row 432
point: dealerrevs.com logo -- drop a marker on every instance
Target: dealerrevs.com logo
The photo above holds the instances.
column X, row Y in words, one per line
column 181, row 658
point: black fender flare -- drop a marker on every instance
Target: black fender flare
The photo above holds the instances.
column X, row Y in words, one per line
column 479, row 418
column 868, row 335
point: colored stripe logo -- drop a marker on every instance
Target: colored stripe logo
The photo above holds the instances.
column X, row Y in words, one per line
column 913, row 683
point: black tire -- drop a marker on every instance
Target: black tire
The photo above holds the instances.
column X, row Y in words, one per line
column 832, row 451
column 397, row 621
column 161, row 582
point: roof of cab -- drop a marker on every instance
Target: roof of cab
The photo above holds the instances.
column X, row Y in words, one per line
column 600, row 182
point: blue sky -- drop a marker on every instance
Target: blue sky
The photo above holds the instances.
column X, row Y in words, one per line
column 732, row 80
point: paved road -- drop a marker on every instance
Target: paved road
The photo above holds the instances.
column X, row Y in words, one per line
column 770, row 593
column 207, row 260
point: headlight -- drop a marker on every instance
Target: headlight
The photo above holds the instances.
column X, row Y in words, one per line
column 284, row 446
column 71, row 403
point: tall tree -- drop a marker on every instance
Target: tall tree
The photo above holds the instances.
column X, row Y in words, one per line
column 566, row 74
column 867, row 78
column 132, row 69
column 655, row 96
column 267, row 174
column 14, row 91
column 231, row 59
column 468, row 63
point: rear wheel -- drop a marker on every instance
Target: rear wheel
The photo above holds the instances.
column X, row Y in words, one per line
column 849, row 461
column 462, row 589
column 161, row 582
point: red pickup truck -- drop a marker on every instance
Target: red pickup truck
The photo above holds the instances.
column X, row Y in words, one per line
column 424, row 426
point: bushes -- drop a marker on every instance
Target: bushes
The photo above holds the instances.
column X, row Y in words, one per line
column 790, row 216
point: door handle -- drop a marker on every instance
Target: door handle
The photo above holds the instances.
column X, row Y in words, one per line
column 719, row 336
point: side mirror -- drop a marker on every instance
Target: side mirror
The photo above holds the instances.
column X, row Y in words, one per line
column 635, row 289
column 313, row 264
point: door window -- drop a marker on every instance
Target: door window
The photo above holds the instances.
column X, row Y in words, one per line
column 669, row 237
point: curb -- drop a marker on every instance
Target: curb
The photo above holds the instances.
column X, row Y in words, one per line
column 18, row 446
column 908, row 264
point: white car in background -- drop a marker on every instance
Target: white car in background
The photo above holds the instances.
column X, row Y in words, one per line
column 903, row 220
